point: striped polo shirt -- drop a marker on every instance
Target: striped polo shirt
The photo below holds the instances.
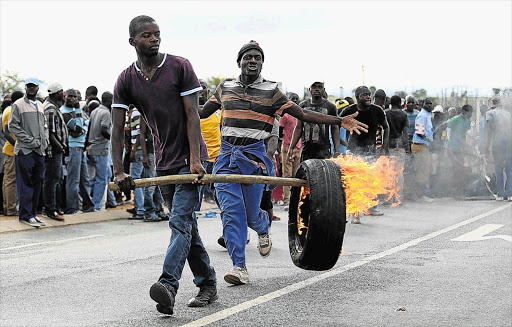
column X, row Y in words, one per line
column 249, row 110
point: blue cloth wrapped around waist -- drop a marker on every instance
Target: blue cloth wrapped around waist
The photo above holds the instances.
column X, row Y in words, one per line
column 236, row 156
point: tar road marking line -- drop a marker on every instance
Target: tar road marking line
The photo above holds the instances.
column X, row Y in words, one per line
column 50, row 242
column 478, row 234
column 310, row 281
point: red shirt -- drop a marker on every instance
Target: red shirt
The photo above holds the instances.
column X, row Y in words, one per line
column 288, row 123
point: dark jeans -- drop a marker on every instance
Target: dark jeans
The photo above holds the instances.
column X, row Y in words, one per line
column 185, row 241
column 29, row 179
column 52, row 176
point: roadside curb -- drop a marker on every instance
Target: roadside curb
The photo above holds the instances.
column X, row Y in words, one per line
column 7, row 226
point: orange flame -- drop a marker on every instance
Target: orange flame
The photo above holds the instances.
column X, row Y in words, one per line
column 304, row 192
column 364, row 182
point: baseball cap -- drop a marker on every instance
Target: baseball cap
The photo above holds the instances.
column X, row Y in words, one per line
column 340, row 104
column 54, row 88
column 32, row 80
column 317, row 81
column 438, row 108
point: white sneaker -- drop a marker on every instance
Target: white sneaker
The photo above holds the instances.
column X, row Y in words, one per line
column 264, row 244
column 499, row 198
column 427, row 199
column 509, row 199
column 237, row 276
column 39, row 221
column 31, row 222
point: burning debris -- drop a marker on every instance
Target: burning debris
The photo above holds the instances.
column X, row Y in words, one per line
column 365, row 182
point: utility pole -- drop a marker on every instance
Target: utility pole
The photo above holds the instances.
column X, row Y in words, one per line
column 363, row 73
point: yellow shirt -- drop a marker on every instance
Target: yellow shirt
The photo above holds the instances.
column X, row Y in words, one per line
column 210, row 128
column 8, row 147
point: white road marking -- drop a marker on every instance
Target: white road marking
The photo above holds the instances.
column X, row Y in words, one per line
column 478, row 234
column 50, row 242
column 310, row 281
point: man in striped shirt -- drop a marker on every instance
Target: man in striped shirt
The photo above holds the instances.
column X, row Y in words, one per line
column 250, row 103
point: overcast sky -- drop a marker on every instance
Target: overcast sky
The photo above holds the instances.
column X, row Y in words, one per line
column 403, row 45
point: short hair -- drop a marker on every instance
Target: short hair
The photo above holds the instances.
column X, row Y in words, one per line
column 6, row 103
column 16, row 95
column 467, row 107
column 106, row 97
column 91, row 90
column 396, row 100
column 137, row 22
column 380, row 94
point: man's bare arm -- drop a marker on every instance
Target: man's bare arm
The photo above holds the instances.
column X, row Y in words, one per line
column 347, row 122
column 190, row 103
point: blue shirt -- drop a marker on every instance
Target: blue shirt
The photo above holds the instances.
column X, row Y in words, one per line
column 423, row 126
column 73, row 120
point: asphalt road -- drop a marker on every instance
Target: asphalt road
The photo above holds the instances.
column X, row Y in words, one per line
column 447, row 263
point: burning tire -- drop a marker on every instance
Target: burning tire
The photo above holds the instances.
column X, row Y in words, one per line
column 316, row 222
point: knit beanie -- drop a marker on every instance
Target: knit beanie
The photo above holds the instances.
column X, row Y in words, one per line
column 249, row 46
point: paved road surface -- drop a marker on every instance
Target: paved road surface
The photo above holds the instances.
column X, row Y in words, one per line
column 446, row 263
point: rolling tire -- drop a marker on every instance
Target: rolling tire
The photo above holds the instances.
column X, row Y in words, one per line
column 323, row 211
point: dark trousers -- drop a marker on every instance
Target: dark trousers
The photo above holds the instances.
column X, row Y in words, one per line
column 29, row 178
column 52, row 176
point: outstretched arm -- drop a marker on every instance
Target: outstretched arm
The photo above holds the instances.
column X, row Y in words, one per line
column 347, row 122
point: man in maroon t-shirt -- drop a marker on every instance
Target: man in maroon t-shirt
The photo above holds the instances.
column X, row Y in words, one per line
column 165, row 90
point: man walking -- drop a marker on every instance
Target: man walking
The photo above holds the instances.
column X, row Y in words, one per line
column 164, row 88
column 27, row 124
column 97, row 150
column 250, row 104
column 315, row 137
column 58, row 136
column 423, row 136
column 499, row 143
column 365, row 145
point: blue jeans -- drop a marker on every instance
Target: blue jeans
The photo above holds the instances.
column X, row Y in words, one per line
column 77, row 182
column 240, row 203
column 503, row 163
column 29, row 179
column 185, row 241
column 152, row 195
column 99, row 182
column 136, row 169
column 52, row 176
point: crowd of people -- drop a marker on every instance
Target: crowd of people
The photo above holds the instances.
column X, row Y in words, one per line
column 70, row 148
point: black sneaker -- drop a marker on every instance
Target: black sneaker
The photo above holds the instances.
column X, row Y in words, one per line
column 132, row 211
column 136, row 217
column 206, row 295
column 221, row 241
column 163, row 297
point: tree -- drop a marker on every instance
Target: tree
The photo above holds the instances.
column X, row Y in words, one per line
column 420, row 94
column 496, row 91
column 401, row 94
column 10, row 82
column 213, row 82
